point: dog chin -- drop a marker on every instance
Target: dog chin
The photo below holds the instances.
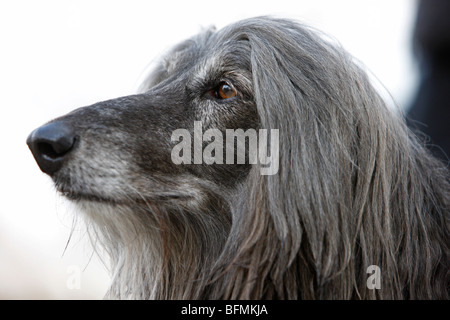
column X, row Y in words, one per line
column 83, row 197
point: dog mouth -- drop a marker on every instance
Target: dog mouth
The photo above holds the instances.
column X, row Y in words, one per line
column 129, row 201
column 81, row 196
column 123, row 193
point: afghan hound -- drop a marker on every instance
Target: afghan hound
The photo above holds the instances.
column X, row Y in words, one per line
column 352, row 190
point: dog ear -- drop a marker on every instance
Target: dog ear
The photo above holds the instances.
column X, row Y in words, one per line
column 350, row 172
column 271, row 227
column 299, row 88
column 284, row 91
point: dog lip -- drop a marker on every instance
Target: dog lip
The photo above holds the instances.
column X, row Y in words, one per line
column 79, row 196
column 76, row 196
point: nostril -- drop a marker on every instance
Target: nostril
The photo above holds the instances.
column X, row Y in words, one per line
column 56, row 146
column 47, row 150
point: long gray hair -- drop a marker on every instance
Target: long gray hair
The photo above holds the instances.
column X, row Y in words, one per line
column 355, row 188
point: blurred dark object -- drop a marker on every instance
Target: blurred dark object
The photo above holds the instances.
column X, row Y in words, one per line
column 430, row 111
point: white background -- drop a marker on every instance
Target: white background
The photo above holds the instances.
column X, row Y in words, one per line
column 59, row 55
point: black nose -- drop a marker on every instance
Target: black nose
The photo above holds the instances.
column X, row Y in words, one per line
column 51, row 144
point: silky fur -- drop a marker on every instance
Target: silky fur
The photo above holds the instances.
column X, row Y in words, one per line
column 354, row 188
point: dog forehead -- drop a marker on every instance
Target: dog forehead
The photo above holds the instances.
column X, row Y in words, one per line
column 205, row 59
column 207, row 66
column 219, row 59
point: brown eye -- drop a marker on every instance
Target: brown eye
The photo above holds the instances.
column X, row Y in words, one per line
column 223, row 91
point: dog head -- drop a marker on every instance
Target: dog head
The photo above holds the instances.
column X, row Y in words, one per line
column 262, row 73
column 179, row 220
column 246, row 76
column 120, row 150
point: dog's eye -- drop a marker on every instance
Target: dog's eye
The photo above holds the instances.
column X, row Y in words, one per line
column 223, row 91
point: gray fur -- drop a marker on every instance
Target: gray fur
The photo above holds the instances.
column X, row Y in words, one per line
column 354, row 187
